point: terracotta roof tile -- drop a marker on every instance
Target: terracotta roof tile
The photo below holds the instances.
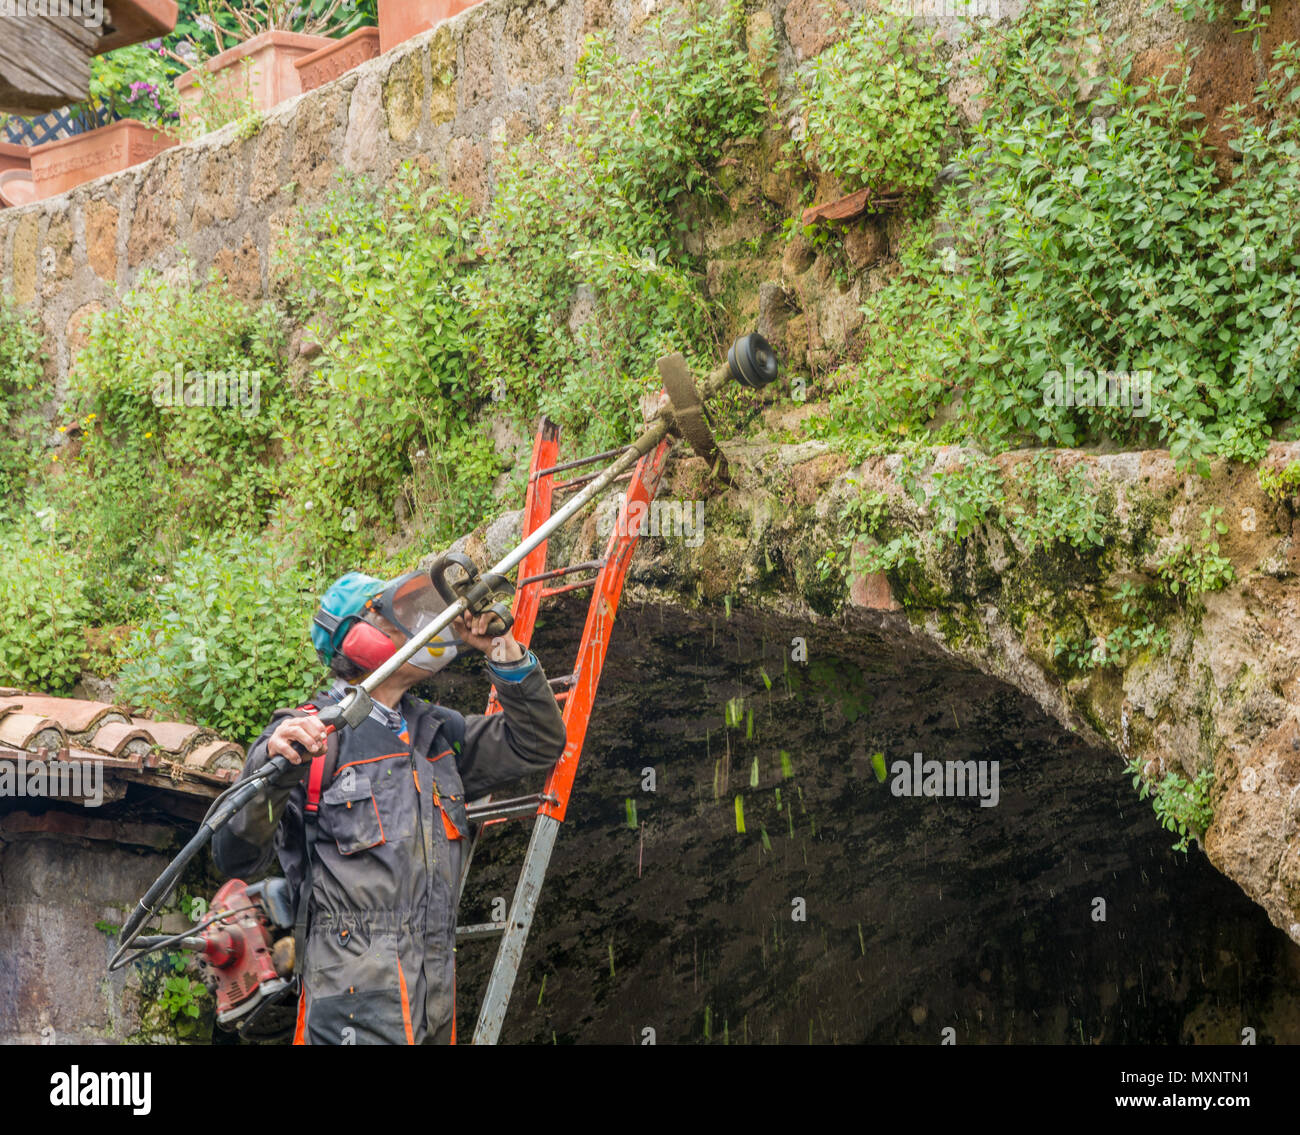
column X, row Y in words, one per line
column 174, row 736
column 74, row 715
column 31, row 731
column 119, row 738
column 171, row 755
column 216, row 755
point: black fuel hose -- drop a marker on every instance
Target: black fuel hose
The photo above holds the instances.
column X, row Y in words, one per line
column 223, row 809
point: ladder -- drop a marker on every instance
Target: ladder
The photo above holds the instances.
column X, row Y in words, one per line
column 576, row 692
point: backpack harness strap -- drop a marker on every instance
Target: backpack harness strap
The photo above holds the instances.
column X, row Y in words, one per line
column 311, row 814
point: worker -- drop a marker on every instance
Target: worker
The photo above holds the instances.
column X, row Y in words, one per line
column 391, row 830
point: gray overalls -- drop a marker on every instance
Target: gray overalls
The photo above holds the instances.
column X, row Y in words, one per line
column 380, row 961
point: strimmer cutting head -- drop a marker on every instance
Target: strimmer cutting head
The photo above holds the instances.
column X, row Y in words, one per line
column 751, row 362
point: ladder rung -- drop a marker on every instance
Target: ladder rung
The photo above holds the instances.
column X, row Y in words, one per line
column 482, row 930
column 563, row 680
column 515, row 806
column 564, row 486
column 590, row 565
column 581, row 461
column 549, row 591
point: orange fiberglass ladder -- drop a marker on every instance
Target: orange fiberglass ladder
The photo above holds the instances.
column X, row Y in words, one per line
column 576, row 692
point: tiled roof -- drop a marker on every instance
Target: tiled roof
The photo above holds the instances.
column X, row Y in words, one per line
column 167, row 754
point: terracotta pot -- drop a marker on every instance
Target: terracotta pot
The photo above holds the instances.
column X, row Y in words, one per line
column 16, row 188
column 269, row 76
column 399, row 20
column 327, row 64
column 58, row 166
column 14, row 156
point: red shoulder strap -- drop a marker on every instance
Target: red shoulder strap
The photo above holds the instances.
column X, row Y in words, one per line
column 317, row 774
column 314, row 779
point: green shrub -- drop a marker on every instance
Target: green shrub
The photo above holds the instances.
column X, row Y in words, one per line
column 1183, row 807
column 1280, row 484
column 1065, row 510
column 228, row 638
column 383, row 273
column 43, row 612
column 596, row 212
column 1189, row 570
column 1090, row 232
column 21, row 390
column 876, row 106
column 151, row 476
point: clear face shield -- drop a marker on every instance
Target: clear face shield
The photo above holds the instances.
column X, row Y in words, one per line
column 411, row 603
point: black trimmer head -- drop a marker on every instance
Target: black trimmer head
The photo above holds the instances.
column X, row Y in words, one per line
column 752, row 361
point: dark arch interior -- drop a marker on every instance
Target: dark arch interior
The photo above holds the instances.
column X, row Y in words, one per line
column 921, row 913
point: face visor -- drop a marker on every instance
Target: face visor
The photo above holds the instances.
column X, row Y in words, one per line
column 411, row 603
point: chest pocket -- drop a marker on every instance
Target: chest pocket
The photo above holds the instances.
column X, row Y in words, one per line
column 451, row 796
column 349, row 815
column 454, row 820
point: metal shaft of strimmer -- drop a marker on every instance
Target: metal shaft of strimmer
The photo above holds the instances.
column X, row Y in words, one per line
column 658, row 427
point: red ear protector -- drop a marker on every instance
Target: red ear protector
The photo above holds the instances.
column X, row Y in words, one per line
column 366, row 645
column 363, row 644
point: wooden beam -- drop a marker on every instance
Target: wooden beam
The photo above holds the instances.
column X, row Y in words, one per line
column 44, row 62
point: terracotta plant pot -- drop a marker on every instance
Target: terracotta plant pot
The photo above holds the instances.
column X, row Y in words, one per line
column 261, row 68
column 58, row 166
column 16, row 188
column 327, row 64
column 399, row 20
column 14, row 156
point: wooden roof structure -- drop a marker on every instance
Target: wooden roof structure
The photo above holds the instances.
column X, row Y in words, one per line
column 46, row 45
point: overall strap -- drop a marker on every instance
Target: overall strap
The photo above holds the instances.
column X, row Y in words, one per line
column 311, row 813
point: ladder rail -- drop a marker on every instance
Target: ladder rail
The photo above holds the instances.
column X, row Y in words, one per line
column 577, row 715
column 528, row 596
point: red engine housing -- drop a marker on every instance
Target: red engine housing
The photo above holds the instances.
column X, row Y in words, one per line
column 237, row 950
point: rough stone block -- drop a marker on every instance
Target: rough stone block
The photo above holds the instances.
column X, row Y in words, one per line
column 476, row 78
column 101, row 219
column 534, row 45
column 25, row 263
column 442, row 69
column 241, row 269
column 404, row 96
column 154, row 225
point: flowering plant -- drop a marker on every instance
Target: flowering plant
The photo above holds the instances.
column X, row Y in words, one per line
column 134, row 82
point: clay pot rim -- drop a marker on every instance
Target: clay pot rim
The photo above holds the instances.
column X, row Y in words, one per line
column 367, row 32
column 121, row 125
column 272, row 38
column 22, row 175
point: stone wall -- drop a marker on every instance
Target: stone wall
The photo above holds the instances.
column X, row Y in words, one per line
column 451, row 99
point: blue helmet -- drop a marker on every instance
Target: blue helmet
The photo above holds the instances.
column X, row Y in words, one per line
column 347, row 596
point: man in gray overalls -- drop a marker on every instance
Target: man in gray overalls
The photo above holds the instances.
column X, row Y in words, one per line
column 380, row 965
